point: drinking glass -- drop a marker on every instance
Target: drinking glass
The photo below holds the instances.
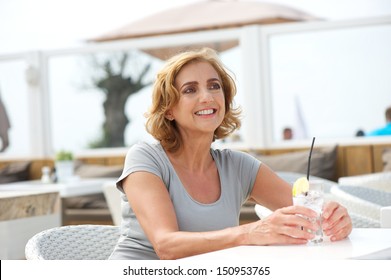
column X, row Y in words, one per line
column 314, row 200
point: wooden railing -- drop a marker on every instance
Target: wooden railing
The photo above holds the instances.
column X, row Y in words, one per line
column 351, row 160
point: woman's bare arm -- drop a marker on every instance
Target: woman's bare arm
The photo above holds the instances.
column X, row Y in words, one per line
column 270, row 190
column 154, row 210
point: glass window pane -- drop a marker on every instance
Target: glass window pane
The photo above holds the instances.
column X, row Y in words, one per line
column 88, row 90
column 336, row 81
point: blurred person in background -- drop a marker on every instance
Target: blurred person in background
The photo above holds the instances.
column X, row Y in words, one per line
column 287, row 133
column 385, row 130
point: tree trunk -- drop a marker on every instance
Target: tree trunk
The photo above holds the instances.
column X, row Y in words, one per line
column 117, row 89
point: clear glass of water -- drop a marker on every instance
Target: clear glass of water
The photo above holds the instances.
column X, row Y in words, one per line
column 313, row 199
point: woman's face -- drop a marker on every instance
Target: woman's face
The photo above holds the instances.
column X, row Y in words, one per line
column 201, row 106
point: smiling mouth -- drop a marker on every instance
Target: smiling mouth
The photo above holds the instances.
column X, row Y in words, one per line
column 206, row 112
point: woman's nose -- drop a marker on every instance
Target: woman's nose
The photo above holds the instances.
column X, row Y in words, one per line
column 206, row 96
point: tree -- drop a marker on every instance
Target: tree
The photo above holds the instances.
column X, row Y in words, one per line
column 117, row 86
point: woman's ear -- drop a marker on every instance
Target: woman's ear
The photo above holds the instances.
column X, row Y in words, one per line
column 169, row 116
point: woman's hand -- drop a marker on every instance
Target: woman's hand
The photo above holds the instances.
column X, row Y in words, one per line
column 283, row 226
column 336, row 221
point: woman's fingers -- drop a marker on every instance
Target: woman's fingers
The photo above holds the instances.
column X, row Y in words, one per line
column 336, row 221
column 295, row 224
column 290, row 225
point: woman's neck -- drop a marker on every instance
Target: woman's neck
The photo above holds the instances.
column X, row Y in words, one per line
column 192, row 156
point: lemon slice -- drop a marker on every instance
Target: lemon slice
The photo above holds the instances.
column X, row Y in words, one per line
column 301, row 186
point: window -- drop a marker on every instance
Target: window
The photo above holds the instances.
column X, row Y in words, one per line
column 330, row 80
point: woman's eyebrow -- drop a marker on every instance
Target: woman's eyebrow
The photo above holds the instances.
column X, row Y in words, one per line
column 214, row 80
column 191, row 83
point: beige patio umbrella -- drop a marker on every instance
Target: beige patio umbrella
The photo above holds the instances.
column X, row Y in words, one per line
column 205, row 15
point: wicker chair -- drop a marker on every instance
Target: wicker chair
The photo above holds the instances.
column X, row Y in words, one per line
column 368, row 207
column 379, row 181
column 113, row 198
column 76, row 242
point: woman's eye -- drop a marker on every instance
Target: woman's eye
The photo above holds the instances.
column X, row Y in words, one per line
column 215, row 86
column 189, row 90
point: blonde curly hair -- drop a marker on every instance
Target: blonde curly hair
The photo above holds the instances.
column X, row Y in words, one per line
column 165, row 96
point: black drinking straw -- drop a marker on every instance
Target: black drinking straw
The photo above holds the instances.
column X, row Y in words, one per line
column 309, row 159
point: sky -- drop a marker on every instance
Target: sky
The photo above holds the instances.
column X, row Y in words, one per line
column 51, row 24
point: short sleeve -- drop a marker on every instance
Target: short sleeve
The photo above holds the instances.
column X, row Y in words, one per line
column 248, row 167
column 142, row 157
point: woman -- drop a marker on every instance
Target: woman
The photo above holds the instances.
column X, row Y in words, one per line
column 183, row 197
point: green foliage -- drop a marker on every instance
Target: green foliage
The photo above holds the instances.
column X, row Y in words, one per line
column 64, row 155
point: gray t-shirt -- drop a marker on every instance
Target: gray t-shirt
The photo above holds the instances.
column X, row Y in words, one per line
column 237, row 171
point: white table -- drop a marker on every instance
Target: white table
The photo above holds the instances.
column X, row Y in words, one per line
column 23, row 214
column 366, row 243
column 73, row 188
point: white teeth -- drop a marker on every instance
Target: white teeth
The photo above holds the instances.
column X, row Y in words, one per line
column 205, row 112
